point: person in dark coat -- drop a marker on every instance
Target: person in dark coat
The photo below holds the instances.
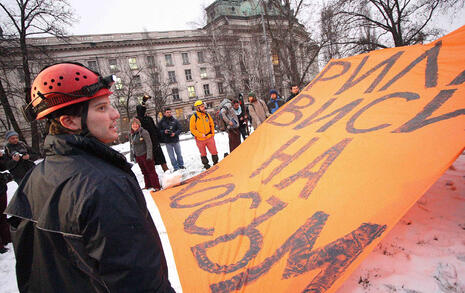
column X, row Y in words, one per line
column 5, row 177
column 20, row 156
column 170, row 130
column 149, row 125
column 294, row 92
column 79, row 220
column 275, row 101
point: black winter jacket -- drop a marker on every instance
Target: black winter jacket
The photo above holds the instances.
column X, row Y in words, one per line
column 19, row 168
column 148, row 124
column 173, row 126
column 80, row 224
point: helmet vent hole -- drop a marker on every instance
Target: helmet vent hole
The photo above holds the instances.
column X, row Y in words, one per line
column 52, row 80
column 45, row 83
column 77, row 79
column 61, row 77
column 35, row 88
column 85, row 76
column 59, row 84
column 78, row 73
column 50, row 87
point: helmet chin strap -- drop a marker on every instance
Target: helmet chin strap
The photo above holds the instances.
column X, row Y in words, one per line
column 84, row 130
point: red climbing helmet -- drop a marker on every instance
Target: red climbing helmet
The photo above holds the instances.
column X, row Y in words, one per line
column 64, row 84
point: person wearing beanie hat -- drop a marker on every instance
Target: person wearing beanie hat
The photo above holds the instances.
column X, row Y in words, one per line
column 257, row 109
column 20, row 157
column 275, row 101
column 10, row 133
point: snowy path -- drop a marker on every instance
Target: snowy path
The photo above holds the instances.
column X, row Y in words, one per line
column 425, row 251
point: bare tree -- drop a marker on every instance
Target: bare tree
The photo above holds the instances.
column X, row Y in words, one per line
column 374, row 24
column 240, row 62
column 160, row 88
column 127, row 89
column 26, row 18
column 5, row 91
column 292, row 45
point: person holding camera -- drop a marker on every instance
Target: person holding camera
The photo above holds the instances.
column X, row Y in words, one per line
column 20, row 155
column 148, row 124
column 170, row 130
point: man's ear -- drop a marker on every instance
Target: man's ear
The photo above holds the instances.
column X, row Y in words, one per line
column 71, row 122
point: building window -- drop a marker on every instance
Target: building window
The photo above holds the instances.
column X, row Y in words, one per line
column 206, row 90
column 136, row 80
column 175, row 94
column 218, row 72
column 118, row 84
column 242, row 65
column 20, row 72
column 275, row 59
column 191, row 92
column 246, row 83
column 220, row 88
column 169, row 60
column 209, row 105
column 133, row 63
column 188, row 74
column 200, row 58
column 185, row 58
column 155, row 78
column 113, row 65
column 171, row 76
column 92, row 65
column 150, row 61
column 203, row 72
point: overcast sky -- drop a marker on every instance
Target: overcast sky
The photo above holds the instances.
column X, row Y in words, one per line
column 99, row 17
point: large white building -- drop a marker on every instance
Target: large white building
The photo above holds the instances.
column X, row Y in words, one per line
column 231, row 54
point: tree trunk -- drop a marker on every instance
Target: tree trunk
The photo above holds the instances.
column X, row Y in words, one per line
column 27, row 91
column 8, row 112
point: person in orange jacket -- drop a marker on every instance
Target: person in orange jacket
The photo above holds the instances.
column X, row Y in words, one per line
column 202, row 127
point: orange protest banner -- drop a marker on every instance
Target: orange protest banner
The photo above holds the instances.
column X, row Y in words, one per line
column 311, row 192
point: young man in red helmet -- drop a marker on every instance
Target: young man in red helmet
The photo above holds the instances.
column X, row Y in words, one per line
column 79, row 220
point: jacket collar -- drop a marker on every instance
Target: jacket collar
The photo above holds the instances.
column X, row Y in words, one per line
column 72, row 144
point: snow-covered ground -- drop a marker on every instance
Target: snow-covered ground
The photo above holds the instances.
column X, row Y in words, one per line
column 424, row 252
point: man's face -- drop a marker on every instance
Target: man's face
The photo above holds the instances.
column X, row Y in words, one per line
column 250, row 99
column 295, row 89
column 201, row 108
column 13, row 139
column 273, row 96
column 236, row 106
column 168, row 113
column 101, row 119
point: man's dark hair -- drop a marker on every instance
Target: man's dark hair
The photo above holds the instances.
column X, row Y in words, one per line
column 235, row 101
column 167, row 109
column 54, row 126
